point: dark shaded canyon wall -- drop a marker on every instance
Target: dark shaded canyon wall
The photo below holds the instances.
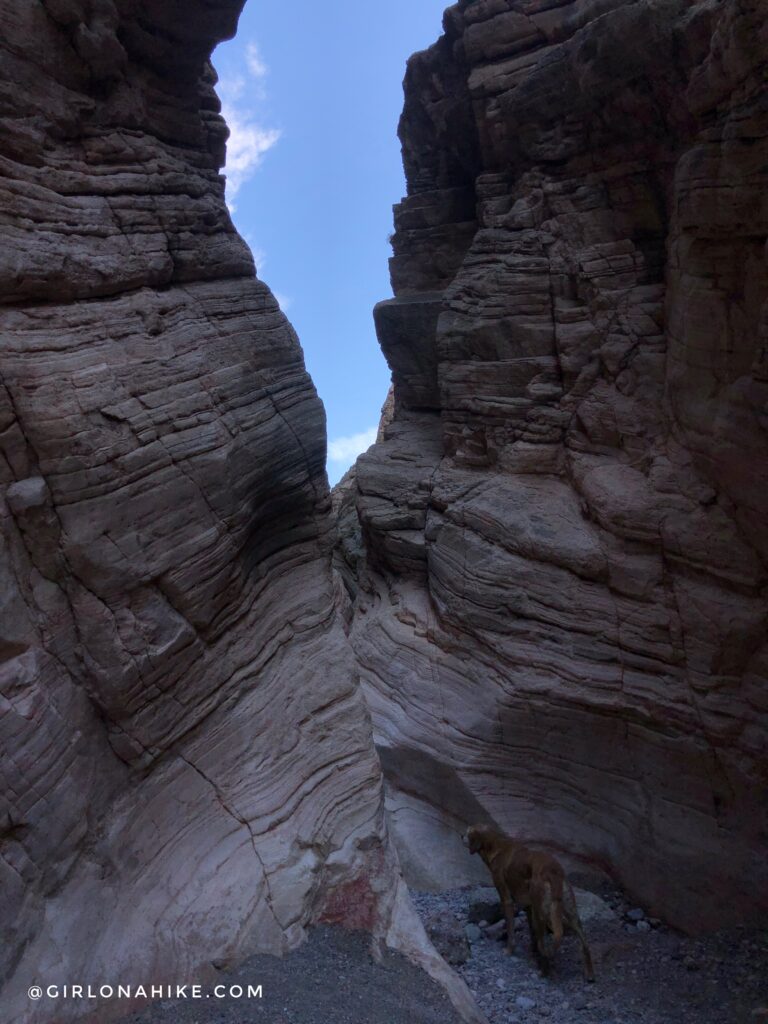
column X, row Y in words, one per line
column 561, row 582
column 187, row 766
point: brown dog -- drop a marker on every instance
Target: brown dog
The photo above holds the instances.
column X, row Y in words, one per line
column 535, row 882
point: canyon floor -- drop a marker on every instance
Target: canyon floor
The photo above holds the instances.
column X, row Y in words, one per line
column 646, row 974
column 331, row 979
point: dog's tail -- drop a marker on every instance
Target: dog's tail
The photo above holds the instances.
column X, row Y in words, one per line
column 547, row 909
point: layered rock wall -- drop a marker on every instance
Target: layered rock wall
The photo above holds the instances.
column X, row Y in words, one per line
column 560, row 580
column 187, row 766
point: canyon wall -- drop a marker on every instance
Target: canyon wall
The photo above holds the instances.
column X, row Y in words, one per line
column 187, row 762
column 558, row 554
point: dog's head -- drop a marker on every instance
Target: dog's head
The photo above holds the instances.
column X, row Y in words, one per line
column 476, row 838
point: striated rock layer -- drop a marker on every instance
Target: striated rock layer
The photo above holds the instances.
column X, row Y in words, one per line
column 561, row 578
column 188, row 773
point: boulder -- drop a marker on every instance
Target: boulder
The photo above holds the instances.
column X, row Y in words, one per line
column 449, row 939
column 592, row 907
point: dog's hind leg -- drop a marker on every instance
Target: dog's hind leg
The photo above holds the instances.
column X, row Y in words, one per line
column 532, row 930
column 538, row 928
column 574, row 925
column 536, row 950
column 509, row 913
column 572, row 922
column 589, row 970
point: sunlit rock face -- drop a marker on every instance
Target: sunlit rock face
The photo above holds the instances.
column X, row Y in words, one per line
column 561, row 607
column 188, row 771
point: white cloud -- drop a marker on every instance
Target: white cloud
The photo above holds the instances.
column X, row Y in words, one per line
column 259, row 256
column 249, row 141
column 247, row 144
column 230, row 88
column 283, row 301
column 346, row 449
column 256, row 65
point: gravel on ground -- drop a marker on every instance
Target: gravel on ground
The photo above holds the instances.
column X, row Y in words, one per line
column 331, row 979
column 646, row 973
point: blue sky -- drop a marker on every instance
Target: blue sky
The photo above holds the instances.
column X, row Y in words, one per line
column 313, row 93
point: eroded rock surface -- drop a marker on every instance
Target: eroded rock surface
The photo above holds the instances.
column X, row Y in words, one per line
column 561, row 611
column 187, row 764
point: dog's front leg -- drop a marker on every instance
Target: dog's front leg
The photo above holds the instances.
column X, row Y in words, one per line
column 510, row 910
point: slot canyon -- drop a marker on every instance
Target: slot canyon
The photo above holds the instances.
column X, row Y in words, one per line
column 236, row 706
